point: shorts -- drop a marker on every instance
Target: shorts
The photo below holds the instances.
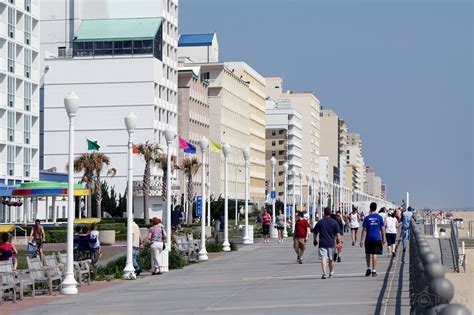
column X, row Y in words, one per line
column 391, row 237
column 279, row 227
column 299, row 243
column 354, row 229
column 326, row 253
column 266, row 229
column 373, row 247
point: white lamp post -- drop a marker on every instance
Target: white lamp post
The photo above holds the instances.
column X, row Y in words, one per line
column 285, row 173
column 204, row 144
column 293, row 203
column 71, row 103
column 169, row 137
column 246, row 154
column 226, row 244
column 321, row 192
column 130, row 124
column 300, row 175
column 273, row 232
column 313, row 182
column 308, row 197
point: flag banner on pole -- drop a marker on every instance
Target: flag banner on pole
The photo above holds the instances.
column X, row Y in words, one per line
column 183, row 144
column 135, row 149
column 92, row 145
column 191, row 149
column 215, row 147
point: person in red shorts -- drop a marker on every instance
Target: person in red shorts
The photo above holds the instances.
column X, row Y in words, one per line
column 302, row 230
column 266, row 221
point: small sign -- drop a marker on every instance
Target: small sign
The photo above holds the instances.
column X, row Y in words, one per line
column 198, row 206
column 288, row 211
column 273, row 194
column 310, row 210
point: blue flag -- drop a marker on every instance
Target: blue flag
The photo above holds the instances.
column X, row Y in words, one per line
column 191, row 149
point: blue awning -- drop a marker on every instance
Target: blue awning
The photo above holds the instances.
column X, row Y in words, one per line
column 187, row 40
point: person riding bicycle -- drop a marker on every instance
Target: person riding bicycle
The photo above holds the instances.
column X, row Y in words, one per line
column 37, row 237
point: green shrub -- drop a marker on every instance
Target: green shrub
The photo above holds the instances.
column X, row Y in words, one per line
column 214, row 247
column 56, row 236
column 176, row 260
column 112, row 226
column 233, row 246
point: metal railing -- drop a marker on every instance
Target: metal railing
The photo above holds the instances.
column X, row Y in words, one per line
column 430, row 291
column 25, row 233
column 455, row 244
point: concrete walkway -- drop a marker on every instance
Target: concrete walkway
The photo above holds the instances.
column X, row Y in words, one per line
column 258, row 279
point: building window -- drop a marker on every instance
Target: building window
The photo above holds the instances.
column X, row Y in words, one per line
column 11, row 91
column 273, row 133
column 27, row 129
column 26, row 162
column 11, row 126
column 11, row 57
column 27, row 57
column 27, row 95
column 28, row 5
column 273, row 143
column 11, row 160
column 281, row 152
column 273, row 153
column 28, row 30
column 280, row 131
column 11, row 22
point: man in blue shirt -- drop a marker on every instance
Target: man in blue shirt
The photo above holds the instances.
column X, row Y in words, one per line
column 407, row 216
column 374, row 234
column 329, row 239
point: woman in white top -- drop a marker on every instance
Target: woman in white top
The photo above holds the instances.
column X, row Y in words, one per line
column 354, row 220
column 391, row 226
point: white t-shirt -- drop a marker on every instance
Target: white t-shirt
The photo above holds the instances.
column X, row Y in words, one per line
column 95, row 235
column 391, row 225
column 383, row 215
column 354, row 223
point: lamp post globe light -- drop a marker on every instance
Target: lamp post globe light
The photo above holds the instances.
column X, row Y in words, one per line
column 130, row 123
column 204, row 144
column 247, row 240
column 170, row 135
column 285, row 198
column 273, row 231
column 226, row 244
column 69, row 285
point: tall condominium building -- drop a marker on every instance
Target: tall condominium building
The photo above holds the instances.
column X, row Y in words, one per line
column 333, row 144
column 256, row 101
column 378, row 187
column 384, row 192
column 324, row 169
column 355, row 168
column 308, row 106
column 19, row 91
column 284, row 142
column 193, row 113
column 373, row 183
column 118, row 57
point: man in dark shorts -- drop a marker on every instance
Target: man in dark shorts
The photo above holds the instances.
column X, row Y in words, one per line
column 373, row 231
column 329, row 240
column 266, row 221
column 302, row 230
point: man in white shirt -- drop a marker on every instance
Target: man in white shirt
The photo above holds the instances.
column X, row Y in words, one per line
column 136, row 243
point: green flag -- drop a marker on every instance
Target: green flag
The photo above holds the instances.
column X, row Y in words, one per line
column 92, row 145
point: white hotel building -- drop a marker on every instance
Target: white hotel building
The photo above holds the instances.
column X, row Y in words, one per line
column 19, row 91
column 119, row 57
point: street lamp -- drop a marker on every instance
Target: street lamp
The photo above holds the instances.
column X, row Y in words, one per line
column 309, row 179
column 130, row 124
column 273, row 230
column 170, row 135
column 204, row 144
column 313, row 191
column 226, row 244
column 285, row 172
column 300, row 175
column 247, row 239
column 321, row 189
column 71, row 103
column 293, row 202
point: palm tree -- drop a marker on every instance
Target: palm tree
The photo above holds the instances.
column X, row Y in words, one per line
column 92, row 165
column 162, row 162
column 149, row 152
column 190, row 166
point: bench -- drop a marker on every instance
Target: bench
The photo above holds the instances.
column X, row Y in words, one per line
column 185, row 248
column 43, row 275
column 82, row 270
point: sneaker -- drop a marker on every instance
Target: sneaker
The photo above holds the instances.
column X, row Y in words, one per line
column 393, row 254
column 404, row 250
column 338, row 259
column 374, row 273
column 298, row 258
column 323, row 276
column 368, row 272
column 353, row 243
column 331, row 275
column 335, row 257
column 300, row 261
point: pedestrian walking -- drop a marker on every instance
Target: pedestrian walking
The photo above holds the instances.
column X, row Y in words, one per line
column 391, row 227
column 407, row 216
column 340, row 222
column 157, row 237
column 94, row 234
column 280, row 226
column 136, row 246
column 329, row 234
column 266, row 221
column 8, row 250
column 354, row 220
column 383, row 214
column 373, row 232
column 300, row 237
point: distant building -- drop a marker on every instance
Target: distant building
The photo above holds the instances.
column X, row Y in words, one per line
column 373, row 183
column 355, row 168
column 200, row 48
column 384, row 192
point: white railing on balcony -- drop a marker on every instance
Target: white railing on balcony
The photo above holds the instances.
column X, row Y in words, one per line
column 3, row 30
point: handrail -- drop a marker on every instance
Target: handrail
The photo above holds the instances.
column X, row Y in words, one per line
column 22, row 229
column 455, row 245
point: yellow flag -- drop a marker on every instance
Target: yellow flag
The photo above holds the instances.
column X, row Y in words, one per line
column 215, row 147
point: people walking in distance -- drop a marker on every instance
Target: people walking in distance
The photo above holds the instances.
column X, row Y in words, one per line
column 340, row 222
column 280, row 226
column 373, row 232
column 391, row 226
column 300, row 237
column 136, row 246
column 407, row 216
column 157, row 237
column 346, row 218
column 383, row 213
column 398, row 214
column 266, row 221
column 330, row 238
column 354, row 220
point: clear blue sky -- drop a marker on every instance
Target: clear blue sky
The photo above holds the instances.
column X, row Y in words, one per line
column 399, row 72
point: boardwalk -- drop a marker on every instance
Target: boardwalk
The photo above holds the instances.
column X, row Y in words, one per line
column 258, row 279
